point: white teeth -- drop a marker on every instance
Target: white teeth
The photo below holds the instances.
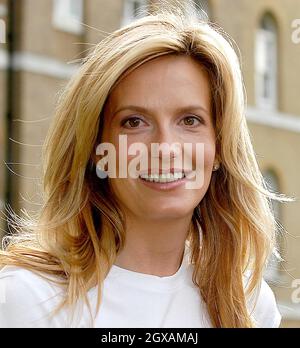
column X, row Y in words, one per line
column 178, row 175
column 165, row 177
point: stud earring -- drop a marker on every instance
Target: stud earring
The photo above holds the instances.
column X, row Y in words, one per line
column 216, row 166
column 100, row 171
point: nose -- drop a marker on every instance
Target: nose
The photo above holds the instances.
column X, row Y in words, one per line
column 166, row 140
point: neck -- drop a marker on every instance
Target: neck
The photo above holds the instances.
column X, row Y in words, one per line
column 154, row 246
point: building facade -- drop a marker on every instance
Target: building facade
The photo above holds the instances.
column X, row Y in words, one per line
column 38, row 55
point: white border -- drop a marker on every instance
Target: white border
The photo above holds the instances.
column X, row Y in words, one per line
column 274, row 119
column 38, row 64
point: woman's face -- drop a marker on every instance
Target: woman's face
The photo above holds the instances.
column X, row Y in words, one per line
column 158, row 102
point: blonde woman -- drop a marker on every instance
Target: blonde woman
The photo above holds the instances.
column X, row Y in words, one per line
column 147, row 251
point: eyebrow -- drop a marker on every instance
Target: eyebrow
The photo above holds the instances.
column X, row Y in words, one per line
column 142, row 109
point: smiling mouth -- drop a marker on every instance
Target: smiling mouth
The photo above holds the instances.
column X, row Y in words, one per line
column 163, row 177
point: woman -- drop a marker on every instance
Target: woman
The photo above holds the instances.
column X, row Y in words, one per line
column 141, row 251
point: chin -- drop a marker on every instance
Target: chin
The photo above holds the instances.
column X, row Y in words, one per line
column 171, row 212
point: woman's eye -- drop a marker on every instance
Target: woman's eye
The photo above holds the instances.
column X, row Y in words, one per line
column 192, row 121
column 132, row 122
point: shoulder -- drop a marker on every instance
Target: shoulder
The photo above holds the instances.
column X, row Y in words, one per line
column 27, row 298
column 263, row 307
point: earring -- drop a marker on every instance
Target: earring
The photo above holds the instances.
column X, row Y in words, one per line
column 100, row 171
column 216, row 166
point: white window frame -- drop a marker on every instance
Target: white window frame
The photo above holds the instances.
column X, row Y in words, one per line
column 128, row 10
column 266, row 64
column 3, row 10
column 63, row 19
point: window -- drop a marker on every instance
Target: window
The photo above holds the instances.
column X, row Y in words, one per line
column 133, row 9
column 273, row 270
column 68, row 15
column 266, row 63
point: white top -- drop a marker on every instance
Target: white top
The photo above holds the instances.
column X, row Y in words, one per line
column 130, row 300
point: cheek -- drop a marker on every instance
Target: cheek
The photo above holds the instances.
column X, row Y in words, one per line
column 209, row 156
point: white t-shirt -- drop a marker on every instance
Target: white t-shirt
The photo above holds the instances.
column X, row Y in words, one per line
column 130, row 300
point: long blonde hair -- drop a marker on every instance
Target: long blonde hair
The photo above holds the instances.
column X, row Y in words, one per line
column 80, row 228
